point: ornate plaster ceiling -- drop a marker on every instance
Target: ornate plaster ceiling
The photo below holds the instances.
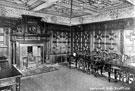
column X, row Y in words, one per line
column 81, row 9
column 63, row 7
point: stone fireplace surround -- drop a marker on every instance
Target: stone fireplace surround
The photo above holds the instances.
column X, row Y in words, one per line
column 31, row 59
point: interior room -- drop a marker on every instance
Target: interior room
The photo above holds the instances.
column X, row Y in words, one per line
column 67, row 45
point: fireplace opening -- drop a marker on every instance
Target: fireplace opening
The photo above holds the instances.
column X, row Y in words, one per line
column 29, row 49
column 31, row 55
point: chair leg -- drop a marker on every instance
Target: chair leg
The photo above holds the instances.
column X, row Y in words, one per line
column 101, row 70
column 76, row 63
column 95, row 73
column 115, row 75
column 109, row 74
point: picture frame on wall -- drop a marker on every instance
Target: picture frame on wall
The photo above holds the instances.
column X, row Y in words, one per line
column 32, row 29
column 19, row 29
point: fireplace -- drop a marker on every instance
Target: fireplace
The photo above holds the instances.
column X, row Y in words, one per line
column 30, row 54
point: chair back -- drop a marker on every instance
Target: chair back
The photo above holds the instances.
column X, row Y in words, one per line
column 124, row 58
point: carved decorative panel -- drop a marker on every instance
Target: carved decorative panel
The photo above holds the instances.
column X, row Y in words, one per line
column 113, row 41
column 81, row 42
column 107, row 40
column 77, row 41
column 86, row 41
column 99, row 38
column 61, row 42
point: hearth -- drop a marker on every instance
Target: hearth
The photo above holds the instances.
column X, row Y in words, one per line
column 30, row 54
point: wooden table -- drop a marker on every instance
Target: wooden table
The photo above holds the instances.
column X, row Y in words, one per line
column 10, row 79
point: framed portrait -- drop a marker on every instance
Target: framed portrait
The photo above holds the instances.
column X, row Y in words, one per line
column 32, row 29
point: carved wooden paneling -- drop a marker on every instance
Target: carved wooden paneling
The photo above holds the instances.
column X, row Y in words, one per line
column 61, row 42
column 107, row 40
column 86, row 41
column 77, row 41
column 99, row 39
column 113, row 41
column 101, row 36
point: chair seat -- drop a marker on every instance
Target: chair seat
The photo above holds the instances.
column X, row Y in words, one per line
column 115, row 68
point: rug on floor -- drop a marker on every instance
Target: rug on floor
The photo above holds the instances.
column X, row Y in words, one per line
column 39, row 70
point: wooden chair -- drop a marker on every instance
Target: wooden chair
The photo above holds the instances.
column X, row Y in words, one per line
column 111, row 68
column 96, row 63
column 131, row 78
column 71, row 61
column 81, row 63
column 124, row 72
column 88, row 63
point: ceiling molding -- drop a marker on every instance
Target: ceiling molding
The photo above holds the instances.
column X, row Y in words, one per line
column 45, row 5
column 77, row 8
column 31, row 2
column 9, row 9
column 112, row 14
column 131, row 1
column 17, row 13
column 13, row 5
column 121, row 6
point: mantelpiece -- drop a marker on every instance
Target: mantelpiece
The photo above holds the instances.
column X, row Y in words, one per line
column 28, row 38
column 29, row 54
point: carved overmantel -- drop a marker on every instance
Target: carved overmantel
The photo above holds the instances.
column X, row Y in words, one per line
column 30, row 28
column 28, row 32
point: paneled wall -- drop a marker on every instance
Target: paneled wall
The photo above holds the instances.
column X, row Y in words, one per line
column 81, row 41
column 60, row 45
column 114, row 36
column 108, row 39
column 61, row 42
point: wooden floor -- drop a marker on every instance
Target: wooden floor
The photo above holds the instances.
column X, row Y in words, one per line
column 66, row 79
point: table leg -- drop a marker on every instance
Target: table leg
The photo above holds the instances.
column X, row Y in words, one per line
column 101, row 70
column 76, row 63
column 127, row 78
column 109, row 74
column 88, row 67
column 18, row 84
